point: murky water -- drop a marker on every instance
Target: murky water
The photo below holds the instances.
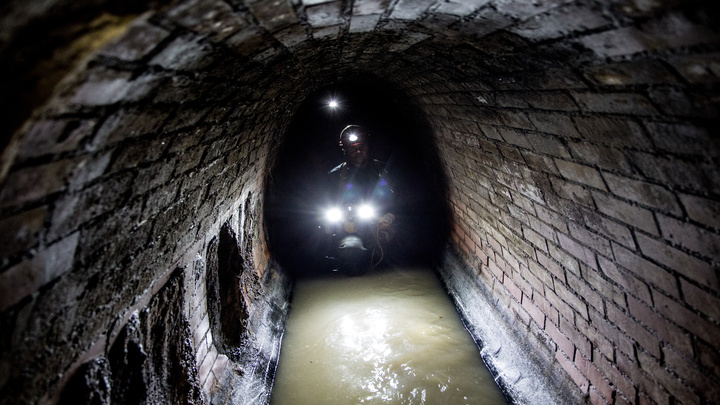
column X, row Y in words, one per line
column 392, row 337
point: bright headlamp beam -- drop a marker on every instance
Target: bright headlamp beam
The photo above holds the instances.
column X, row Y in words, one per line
column 334, row 215
column 333, row 104
column 366, row 211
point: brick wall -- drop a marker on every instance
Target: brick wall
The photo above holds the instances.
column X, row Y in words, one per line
column 579, row 139
column 127, row 175
column 586, row 199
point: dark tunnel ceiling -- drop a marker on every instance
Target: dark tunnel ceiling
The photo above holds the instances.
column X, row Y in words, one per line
column 310, row 149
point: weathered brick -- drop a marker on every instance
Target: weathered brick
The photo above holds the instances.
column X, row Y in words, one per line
column 675, row 29
column 575, row 374
column 647, row 271
column 623, row 41
column 615, row 103
column 535, row 238
column 460, row 9
column 626, row 213
column 702, row 210
column 612, row 131
column 560, row 22
column 32, row 183
column 139, row 40
column 580, row 173
column 325, row 14
column 139, row 153
column 645, row 71
column 697, row 177
column 556, row 124
column 654, row 391
column 596, row 397
column 672, row 101
column 632, row 328
column 572, row 191
column 679, row 138
column 567, row 261
column 128, row 124
column 535, row 313
column 556, row 78
column 701, row 300
column 581, row 342
column 577, row 250
column 410, row 9
column 700, row 69
column 689, row 236
column 28, row 276
column 608, row 330
column 645, row 193
column 523, row 11
column 55, row 136
column 520, row 313
column 21, row 231
column 568, row 295
column 689, row 266
column 612, row 230
column 365, row 7
column 686, row 318
column 709, row 357
column 632, row 284
column 187, row 52
column 600, row 156
column 363, row 23
column 669, row 333
column 694, row 376
column 591, row 372
column 585, row 292
column 102, row 87
column 560, row 339
column 552, row 217
column 540, row 163
column 621, row 382
column 661, row 376
column 606, row 288
column 591, row 240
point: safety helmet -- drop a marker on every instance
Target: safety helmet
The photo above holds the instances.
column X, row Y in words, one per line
column 353, row 134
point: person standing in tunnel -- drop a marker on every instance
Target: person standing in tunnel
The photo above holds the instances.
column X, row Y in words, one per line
column 363, row 180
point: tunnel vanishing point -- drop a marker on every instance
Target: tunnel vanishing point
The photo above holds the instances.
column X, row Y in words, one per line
column 578, row 140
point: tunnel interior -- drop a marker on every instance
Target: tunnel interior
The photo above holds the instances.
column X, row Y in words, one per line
column 568, row 150
column 400, row 137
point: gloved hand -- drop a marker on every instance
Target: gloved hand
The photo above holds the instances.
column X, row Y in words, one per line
column 386, row 221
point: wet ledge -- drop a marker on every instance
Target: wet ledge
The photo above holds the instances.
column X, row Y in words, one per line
column 524, row 369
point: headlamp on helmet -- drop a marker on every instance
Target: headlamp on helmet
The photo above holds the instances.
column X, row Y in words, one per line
column 353, row 134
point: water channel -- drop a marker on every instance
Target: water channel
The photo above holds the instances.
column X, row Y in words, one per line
column 389, row 337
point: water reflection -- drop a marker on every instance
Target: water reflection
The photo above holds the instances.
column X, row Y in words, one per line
column 386, row 338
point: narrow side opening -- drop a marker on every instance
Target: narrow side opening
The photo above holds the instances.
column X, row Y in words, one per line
column 227, row 309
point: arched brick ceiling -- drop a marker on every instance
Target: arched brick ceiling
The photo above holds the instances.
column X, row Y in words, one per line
column 475, row 46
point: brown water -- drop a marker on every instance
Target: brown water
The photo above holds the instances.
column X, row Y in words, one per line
column 392, row 337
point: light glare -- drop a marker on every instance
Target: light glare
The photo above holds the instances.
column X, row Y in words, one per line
column 366, row 211
column 333, row 104
column 334, row 215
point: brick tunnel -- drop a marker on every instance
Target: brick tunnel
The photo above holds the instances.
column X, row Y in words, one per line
column 574, row 144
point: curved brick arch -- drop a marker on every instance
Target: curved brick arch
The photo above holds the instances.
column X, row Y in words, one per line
column 579, row 140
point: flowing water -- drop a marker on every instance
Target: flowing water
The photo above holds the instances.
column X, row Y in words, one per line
column 390, row 337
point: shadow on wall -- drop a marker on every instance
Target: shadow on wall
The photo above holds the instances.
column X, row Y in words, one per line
column 400, row 136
